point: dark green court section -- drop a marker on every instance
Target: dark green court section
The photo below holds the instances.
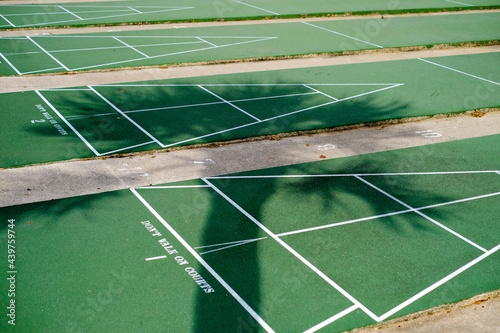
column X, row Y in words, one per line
column 61, row 124
column 153, row 11
column 55, row 53
column 335, row 244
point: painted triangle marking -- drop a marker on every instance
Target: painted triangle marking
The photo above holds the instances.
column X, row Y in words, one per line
column 76, row 11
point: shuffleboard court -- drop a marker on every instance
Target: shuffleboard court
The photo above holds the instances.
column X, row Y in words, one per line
column 62, row 53
column 323, row 246
column 60, row 124
column 152, row 11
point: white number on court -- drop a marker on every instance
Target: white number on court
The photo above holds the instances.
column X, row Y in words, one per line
column 38, row 121
column 429, row 134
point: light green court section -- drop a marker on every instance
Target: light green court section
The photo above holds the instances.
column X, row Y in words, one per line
column 62, row 124
column 56, row 53
column 335, row 244
column 154, row 11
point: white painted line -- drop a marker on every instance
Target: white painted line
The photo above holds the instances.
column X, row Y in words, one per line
column 170, row 187
column 211, row 134
column 229, row 243
column 332, row 319
column 391, row 85
column 422, row 214
column 459, row 201
column 68, row 124
column 148, row 36
column 332, row 102
column 460, row 3
column 124, row 115
column 283, row 115
column 456, row 70
column 117, row 47
column 131, row 47
column 175, row 53
column 135, row 10
column 439, row 283
column 229, row 103
column 68, row 89
column 283, row 234
column 293, row 252
column 155, row 258
column 130, row 147
column 101, row 17
column 205, row 41
column 320, row 92
column 9, row 22
column 355, row 174
column 61, row 13
column 229, row 246
column 41, row 71
column 70, row 12
column 332, row 225
column 338, row 33
column 246, row 4
column 47, row 53
column 10, row 64
column 204, row 263
column 196, row 105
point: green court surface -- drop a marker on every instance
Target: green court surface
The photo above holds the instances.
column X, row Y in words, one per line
column 56, row 53
column 61, row 124
column 324, row 246
column 80, row 14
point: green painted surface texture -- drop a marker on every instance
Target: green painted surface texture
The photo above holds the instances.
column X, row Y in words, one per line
column 385, row 243
column 80, row 14
column 195, row 110
column 54, row 53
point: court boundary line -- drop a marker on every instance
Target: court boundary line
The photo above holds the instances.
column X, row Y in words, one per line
column 458, row 71
column 282, row 115
column 341, row 34
column 336, row 224
column 135, row 10
column 439, row 283
column 259, row 8
column 368, row 218
column 172, row 54
column 453, row 232
column 125, row 115
column 332, row 319
column 6, row 20
column 102, row 17
column 129, row 147
column 359, row 174
column 130, row 47
column 355, row 305
column 228, row 243
column 68, row 123
column 70, row 12
column 229, row 103
column 145, row 56
column 47, row 53
column 403, row 304
column 10, row 64
column 385, row 86
column 460, row 3
column 293, row 252
column 195, row 254
column 233, row 245
column 320, row 92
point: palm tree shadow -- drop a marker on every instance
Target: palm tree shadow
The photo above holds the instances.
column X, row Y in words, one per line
column 325, row 198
